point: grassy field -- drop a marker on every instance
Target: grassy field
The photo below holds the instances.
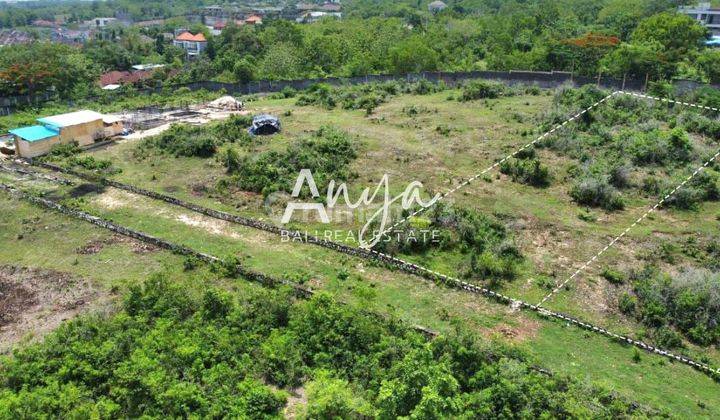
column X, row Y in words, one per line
column 445, row 143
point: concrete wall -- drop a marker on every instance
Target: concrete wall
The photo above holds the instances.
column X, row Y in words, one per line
column 85, row 134
column 543, row 79
column 110, row 130
column 29, row 149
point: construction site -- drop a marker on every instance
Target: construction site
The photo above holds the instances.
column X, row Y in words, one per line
column 91, row 129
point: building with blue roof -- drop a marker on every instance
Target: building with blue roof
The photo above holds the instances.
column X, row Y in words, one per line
column 35, row 133
column 83, row 127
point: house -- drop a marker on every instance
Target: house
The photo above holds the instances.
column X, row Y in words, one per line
column 253, row 20
column 116, row 77
column 331, row 7
column 84, row 127
column 147, row 66
column 14, row 37
column 310, row 17
column 100, row 22
column 192, row 44
column 304, row 7
column 71, row 37
column 150, row 23
column 42, row 23
column 705, row 14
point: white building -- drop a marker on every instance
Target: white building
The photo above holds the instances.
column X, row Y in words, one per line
column 705, row 14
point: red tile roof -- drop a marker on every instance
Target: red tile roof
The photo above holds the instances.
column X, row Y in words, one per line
column 187, row 36
column 120, row 77
column 254, row 19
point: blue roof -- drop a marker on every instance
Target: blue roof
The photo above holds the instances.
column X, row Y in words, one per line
column 713, row 41
column 34, row 133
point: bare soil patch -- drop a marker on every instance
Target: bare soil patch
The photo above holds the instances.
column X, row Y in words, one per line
column 524, row 331
column 96, row 245
column 36, row 301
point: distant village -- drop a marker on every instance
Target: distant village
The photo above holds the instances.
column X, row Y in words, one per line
column 214, row 17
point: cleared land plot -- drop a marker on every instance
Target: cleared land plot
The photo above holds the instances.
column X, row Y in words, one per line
column 422, row 303
column 441, row 142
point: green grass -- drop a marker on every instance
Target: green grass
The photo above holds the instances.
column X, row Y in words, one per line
column 545, row 224
column 564, row 350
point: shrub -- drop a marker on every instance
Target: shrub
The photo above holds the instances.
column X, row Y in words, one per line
column 688, row 301
column 579, row 98
column 327, row 154
column 183, row 140
column 90, row 163
column 597, row 193
column 479, row 89
column 64, row 150
column 660, row 148
column 697, row 123
column 686, row 198
column 627, row 304
column 230, row 159
column 527, row 171
column 613, row 276
column 620, row 176
column 162, row 357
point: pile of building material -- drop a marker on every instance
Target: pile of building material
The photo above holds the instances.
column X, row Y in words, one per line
column 227, row 103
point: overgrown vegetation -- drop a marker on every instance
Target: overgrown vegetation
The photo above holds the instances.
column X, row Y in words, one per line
column 68, row 155
column 197, row 141
column 688, row 301
column 526, row 168
column 170, row 354
column 641, row 148
column 327, row 153
column 367, row 96
column 489, row 251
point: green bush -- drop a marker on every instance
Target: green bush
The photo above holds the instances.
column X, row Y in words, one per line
column 167, row 354
column 688, row 301
column 182, row 140
column 327, row 154
column 613, row 276
column 480, row 89
column 597, row 193
column 527, row 171
column 660, row 148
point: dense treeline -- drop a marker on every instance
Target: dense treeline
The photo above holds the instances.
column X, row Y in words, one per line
column 168, row 353
column 640, row 38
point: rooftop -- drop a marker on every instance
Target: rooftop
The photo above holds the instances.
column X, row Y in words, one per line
column 187, row 36
column 72, row 118
column 34, row 132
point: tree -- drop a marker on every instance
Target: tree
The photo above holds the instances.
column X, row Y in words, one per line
column 634, row 60
column 62, row 68
column 679, row 35
column 331, row 398
column 709, row 62
column 413, row 55
column 281, row 61
column 244, row 71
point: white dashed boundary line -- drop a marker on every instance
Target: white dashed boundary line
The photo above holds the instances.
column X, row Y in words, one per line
column 496, row 164
column 472, row 288
column 538, row 308
column 650, row 210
